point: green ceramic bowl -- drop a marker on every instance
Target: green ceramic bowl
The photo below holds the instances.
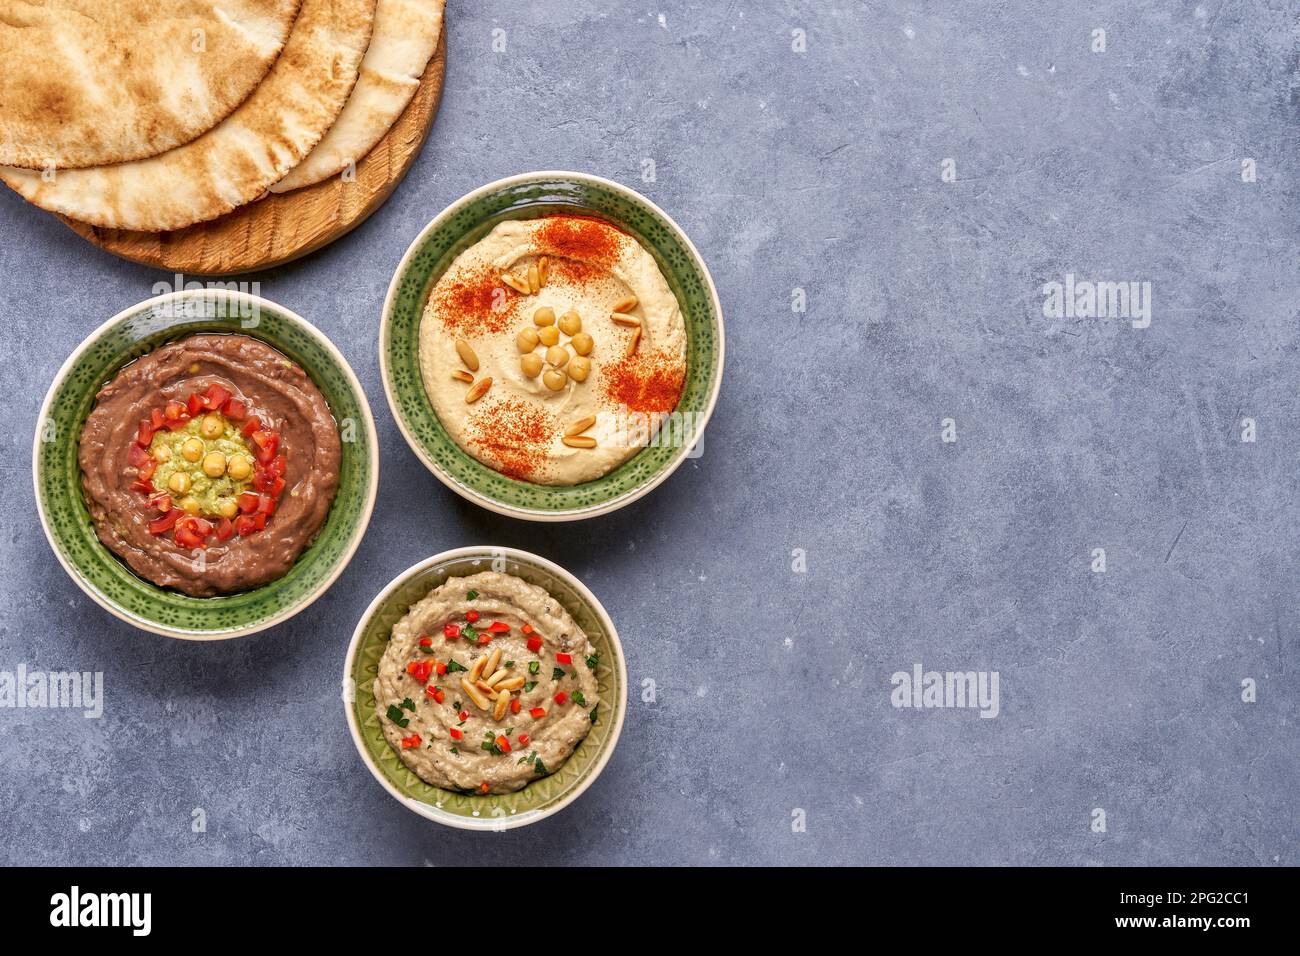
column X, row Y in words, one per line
column 61, row 504
column 468, row 220
column 494, row 811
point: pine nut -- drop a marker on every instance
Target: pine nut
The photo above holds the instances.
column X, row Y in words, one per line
column 472, row 692
column 579, row 441
column 461, row 375
column 543, row 270
column 497, row 677
column 499, row 711
column 493, row 660
column 626, row 304
column 477, row 669
column 467, row 355
column 478, row 390
column 580, row 426
column 622, row 318
column 534, row 279
column 513, row 683
column 517, row 284
column 631, row 346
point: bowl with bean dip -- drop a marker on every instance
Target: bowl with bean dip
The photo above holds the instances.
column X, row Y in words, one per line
column 205, row 464
column 552, row 346
column 485, row 688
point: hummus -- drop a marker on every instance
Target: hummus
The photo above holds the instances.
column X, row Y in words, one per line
column 546, row 345
column 487, row 685
column 209, row 464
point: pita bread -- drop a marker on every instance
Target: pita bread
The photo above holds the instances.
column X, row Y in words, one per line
column 406, row 34
column 236, row 161
column 89, row 82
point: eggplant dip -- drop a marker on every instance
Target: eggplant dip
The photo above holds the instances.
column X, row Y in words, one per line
column 210, row 464
column 487, row 684
column 543, row 339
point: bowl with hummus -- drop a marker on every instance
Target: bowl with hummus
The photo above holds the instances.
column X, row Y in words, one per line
column 552, row 346
column 485, row 688
column 205, row 464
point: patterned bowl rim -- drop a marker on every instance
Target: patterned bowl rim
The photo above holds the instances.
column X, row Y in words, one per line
column 472, row 494
column 372, row 451
column 428, row 811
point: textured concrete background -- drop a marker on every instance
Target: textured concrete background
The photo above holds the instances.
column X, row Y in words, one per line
column 818, row 170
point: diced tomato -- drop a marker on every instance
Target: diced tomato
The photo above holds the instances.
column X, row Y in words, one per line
column 267, row 443
column 278, row 466
column 425, row 641
column 163, row 524
column 515, row 705
column 147, row 469
column 136, row 456
column 249, row 502
column 537, row 713
column 411, row 742
column 534, row 643
column 436, row 693
column 144, row 486
column 162, row 502
column 215, row 397
column 503, row 743
column 455, row 734
column 269, row 483
column 187, row 538
column 201, row 526
column 234, row 409
column 564, row 658
column 144, row 434
column 176, row 424
column 420, row 670
column 246, row 525
column 174, row 409
column 498, row 627
column 451, row 631
column 523, row 740
column 471, row 616
column 157, row 419
column 561, row 697
column 194, row 404
column 251, row 425
column 266, row 506
column 225, row 530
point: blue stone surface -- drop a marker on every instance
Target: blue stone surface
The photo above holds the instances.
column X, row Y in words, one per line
column 810, row 161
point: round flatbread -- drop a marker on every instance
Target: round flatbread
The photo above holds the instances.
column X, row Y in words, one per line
column 237, row 160
column 406, row 34
column 89, row 82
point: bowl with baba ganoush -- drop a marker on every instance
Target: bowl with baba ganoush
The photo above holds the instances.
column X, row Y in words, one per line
column 205, row 464
column 552, row 346
column 485, row 688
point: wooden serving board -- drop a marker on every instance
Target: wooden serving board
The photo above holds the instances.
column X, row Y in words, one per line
column 280, row 227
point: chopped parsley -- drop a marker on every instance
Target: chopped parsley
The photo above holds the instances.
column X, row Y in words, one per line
column 579, row 699
column 469, row 633
column 529, row 685
column 455, row 751
column 557, row 674
column 534, row 666
column 593, row 661
column 408, row 704
column 593, row 713
column 396, row 716
column 508, row 664
column 471, row 596
column 453, row 666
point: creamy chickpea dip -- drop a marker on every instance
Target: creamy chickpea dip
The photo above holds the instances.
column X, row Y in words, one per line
column 487, row 684
column 541, row 339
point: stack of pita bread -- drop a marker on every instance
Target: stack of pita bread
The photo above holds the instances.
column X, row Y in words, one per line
column 154, row 115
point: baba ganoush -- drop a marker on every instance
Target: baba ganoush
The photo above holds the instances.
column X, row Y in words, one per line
column 210, row 464
column 487, row 684
column 552, row 348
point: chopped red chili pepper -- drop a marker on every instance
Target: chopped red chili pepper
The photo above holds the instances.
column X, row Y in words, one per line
column 420, row 670
column 515, row 705
column 426, row 641
column 526, row 628
column 537, row 712
column 436, row 693
column 484, row 788
column 463, row 715
column 534, row 644
column 561, row 697
column 455, row 734
column 471, row 616
column 440, row 669
column 564, row 658
column 484, row 637
column 451, row 631
column 411, row 742
column 523, row 740
column 498, row 627
column 503, row 743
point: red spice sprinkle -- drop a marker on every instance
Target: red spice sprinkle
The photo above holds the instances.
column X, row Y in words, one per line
column 515, row 434
column 475, row 301
column 648, row 383
column 583, row 248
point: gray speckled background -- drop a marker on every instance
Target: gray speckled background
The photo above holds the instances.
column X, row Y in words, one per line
column 818, row 170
